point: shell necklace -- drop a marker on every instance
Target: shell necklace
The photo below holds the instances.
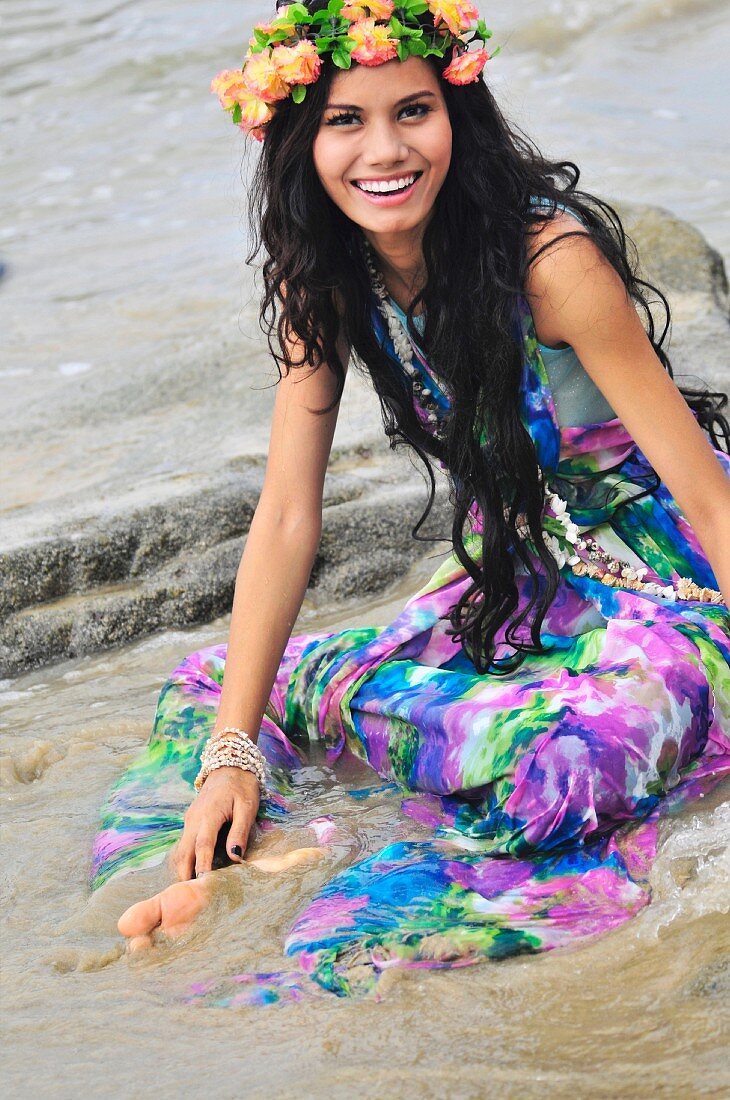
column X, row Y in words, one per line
column 402, row 344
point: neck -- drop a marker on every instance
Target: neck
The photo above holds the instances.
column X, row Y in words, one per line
column 400, row 259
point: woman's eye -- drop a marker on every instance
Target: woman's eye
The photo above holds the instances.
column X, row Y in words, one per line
column 334, row 120
column 345, row 116
column 422, row 108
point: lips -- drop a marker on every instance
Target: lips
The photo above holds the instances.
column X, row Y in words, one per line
column 373, row 189
column 389, row 198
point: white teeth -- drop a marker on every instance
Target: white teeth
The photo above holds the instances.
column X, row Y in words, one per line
column 377, row 186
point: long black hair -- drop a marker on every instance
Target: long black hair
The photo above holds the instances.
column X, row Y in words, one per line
column 316, row 284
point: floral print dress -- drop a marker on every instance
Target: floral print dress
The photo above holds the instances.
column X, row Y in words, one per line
column 529, row 803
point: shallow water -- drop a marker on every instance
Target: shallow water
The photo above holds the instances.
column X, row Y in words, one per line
column 129, row 335
column 641, row 1011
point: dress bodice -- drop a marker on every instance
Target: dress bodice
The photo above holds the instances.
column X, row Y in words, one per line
column 578, row 400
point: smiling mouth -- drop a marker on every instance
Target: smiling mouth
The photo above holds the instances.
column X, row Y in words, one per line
column 387, row 187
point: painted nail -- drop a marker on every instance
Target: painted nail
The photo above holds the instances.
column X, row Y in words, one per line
column 236, row 850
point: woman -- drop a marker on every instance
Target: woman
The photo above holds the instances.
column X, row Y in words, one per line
column 567, row 667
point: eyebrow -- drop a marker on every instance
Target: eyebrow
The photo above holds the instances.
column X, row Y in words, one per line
column 354, row 106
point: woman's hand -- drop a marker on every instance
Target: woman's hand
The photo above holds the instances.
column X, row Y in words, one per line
column 228, row 794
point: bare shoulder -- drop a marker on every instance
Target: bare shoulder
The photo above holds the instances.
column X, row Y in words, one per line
column 557, row 263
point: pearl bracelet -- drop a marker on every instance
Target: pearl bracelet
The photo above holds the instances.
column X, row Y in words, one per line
column 232, row 747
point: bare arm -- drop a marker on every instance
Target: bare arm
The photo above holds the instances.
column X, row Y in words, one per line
column 270, row 585
column 577, row 297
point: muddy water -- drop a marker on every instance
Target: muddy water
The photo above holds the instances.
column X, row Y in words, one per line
column 129, row 334
column 642, row 1011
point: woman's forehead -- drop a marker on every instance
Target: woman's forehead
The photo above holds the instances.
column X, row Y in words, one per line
column 392, row 80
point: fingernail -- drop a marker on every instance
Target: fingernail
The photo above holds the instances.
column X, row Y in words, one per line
column 236, row 850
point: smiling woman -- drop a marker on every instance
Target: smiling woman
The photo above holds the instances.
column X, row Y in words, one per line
column 563, row 680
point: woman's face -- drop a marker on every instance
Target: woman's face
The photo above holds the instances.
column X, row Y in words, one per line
column 384, row 123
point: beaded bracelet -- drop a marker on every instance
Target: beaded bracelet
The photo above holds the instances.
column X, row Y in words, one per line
column 232, row 747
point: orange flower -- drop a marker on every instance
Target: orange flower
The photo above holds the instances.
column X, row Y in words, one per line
column 465, row 68
column 456, row 14
column 228, row 85
column 263, row 78
column 373, row 44
column 254, row 114
column 298, row 64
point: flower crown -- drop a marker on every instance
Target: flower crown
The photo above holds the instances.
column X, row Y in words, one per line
column 284, row 56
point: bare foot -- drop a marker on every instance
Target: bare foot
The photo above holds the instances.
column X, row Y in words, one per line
column 174, row 909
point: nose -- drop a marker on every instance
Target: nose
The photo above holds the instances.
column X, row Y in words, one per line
column 384, row 144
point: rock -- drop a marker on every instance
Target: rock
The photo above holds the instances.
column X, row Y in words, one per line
column 170, row 570
column 677, row 258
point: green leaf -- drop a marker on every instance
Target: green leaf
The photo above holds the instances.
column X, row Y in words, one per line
column 402, row 50
column 417, row 46
column 335, row 6
column 400, row 31
column 342, row 58
column 261, row 36
column 319, row 17
column 236, row 113
column 324, row 42
column 298, row 92
column 297, row 13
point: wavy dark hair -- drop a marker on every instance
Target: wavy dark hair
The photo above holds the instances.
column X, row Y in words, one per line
column 470, row 298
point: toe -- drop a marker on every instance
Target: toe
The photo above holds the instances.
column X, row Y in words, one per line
column 142, row 918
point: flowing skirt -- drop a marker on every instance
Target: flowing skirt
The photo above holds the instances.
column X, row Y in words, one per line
column 530, row 802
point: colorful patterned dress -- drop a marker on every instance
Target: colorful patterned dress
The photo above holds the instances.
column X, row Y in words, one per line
column 530, row 802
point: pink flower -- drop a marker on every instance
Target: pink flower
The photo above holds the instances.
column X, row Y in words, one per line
column 456, row 14
column 466, row 67
column 298, row 64
column 263, row 78
column 254, row 114
column 228, row 85
column 373, row 44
